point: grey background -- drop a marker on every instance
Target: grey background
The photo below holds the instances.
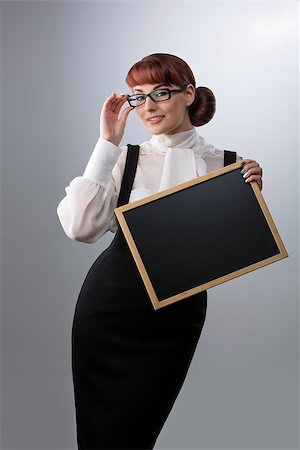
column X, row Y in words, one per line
column 60, row 61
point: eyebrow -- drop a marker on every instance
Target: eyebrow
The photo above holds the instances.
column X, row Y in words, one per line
column 156, row 87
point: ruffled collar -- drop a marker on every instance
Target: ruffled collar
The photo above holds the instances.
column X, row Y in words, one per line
column 183, row 154
column 190, row 139
column 184, row 139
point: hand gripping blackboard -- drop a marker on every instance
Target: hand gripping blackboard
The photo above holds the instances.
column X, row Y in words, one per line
column 199, row 234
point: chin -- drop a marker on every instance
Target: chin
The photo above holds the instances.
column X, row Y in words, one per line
column 157, row 128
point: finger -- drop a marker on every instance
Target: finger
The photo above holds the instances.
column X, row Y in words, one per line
column 108, row 105
column 125, row 114
column 112, row 100
column 252, row 177
column 249, row 161
column 257, row 170
column 253, row 171
column 251, row 166
column 255, row 178
column 118, row 102
column 119, row 97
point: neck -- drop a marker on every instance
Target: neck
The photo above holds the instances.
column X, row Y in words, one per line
column 178, row 131
column 186, row 125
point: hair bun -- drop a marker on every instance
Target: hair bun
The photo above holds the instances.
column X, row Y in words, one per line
column 203, row 108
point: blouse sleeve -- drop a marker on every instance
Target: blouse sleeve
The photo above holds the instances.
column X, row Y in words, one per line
column 87, row 210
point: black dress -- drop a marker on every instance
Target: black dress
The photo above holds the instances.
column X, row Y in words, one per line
column 129, row 361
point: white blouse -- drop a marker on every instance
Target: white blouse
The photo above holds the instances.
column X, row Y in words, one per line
column 87, row 211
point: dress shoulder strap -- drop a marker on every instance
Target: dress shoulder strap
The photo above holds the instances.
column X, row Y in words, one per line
column 129, row 173
column 130, row 170
column 229, row 157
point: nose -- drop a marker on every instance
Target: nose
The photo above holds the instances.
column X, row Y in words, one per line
column 150, row 104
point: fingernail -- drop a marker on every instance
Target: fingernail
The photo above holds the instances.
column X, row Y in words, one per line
column 245, row 175
column 242, row 171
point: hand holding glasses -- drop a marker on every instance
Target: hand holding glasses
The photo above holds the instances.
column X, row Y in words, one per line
column 111, row 126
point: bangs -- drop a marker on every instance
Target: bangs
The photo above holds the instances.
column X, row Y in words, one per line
column 156, row 70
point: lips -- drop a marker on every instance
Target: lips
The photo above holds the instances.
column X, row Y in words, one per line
column 155, row 119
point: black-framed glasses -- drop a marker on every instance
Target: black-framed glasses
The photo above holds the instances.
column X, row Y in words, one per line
column 159, row 95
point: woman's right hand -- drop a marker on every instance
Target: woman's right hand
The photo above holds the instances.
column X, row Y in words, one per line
column 111, row 127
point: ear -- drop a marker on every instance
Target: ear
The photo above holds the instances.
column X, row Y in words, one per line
column 190, row 94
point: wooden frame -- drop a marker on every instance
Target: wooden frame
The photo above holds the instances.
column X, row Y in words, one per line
column 167, row 231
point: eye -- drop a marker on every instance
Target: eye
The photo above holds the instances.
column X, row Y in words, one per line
column 160, row 93
column 139, row 98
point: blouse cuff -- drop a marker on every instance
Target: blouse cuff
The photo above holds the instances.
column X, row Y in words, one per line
column 100, row 165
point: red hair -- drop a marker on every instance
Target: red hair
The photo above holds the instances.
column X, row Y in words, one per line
column 160, row 68
column 172, row 70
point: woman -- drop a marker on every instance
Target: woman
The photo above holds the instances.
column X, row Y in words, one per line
column 129, row 361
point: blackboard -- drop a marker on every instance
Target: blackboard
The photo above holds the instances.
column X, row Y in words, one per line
column 199, row 234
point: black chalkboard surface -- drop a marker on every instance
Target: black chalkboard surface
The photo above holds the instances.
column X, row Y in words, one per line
column 199, row 234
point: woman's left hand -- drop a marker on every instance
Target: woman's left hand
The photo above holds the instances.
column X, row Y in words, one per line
column 252, row 172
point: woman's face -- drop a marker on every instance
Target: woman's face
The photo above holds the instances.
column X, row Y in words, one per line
column 169, row 116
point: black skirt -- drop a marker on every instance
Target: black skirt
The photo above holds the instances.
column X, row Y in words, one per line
column 129, row 361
